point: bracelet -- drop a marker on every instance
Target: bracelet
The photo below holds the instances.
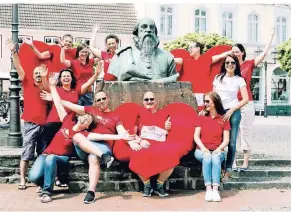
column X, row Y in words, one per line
column 13, row 52
column 31, row 46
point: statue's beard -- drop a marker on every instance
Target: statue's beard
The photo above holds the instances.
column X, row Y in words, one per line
column 147, row 45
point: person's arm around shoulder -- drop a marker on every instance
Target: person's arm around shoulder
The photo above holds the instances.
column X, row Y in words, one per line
column 15, row 58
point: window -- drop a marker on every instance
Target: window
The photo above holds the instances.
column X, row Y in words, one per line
column 51, row 39
column 200, row 21
column 281, row 25
column 21, row 39
column 253, row 28
column 83, row 40
column 166, row 25
column 280, row 87
column 257, row 85
column 227, row 24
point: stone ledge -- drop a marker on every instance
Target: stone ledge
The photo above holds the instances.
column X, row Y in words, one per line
column 166, row 93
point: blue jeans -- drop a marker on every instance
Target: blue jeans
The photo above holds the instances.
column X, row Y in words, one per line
column 104, row 147
column 86, row 99
column 211, row 166
column 234, row 124
column 45, row 169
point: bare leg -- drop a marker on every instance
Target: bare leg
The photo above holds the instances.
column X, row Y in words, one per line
column 88, row 147
column 94, row 172
column 165, row 175
column 247, row 155
column 23, row 170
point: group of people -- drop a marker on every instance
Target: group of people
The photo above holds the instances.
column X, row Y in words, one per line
column 61, row 117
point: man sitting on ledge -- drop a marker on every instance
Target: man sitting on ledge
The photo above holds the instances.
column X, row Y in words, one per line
column 144, row 61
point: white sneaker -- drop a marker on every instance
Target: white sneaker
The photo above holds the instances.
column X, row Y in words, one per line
column 216, row 196
column 208, row 196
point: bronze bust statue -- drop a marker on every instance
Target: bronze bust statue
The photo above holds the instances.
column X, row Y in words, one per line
column 144, row 61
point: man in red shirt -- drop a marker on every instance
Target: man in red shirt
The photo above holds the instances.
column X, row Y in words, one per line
column 112, row 43
column 197, row 69
column 35, row 110
column 108, row 122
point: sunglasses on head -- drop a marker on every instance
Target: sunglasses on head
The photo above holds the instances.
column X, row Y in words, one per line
column 148, row 99
column 228, row 62
column 206, row 101
column 99, row 100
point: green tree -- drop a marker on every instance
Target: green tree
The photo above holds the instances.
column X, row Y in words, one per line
column 208, row 40
column 284, row 56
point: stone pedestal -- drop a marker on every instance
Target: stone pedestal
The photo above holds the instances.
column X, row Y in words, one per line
column 166, row 93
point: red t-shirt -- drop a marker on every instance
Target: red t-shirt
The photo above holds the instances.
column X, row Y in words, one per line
column 55, row 52
column 35, row 108
column 199, row 72
column 82, row 72
column 71, row 96
column 107, row 56
column 106, row 121
column 212, row 131
column 247, row 69
column 62, row 143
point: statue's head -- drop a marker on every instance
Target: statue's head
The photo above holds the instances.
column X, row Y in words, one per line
column 145, row 33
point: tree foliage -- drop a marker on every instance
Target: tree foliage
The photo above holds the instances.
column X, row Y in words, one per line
column 284, row 56
column 208, row 40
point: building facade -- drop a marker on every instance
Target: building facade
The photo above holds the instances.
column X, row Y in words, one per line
column 47, row 22
column 249, row 24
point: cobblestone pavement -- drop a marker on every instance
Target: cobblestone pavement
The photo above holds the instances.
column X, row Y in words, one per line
column 276, row 200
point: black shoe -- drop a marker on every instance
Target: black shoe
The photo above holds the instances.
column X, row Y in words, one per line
column 90, row 197
column 161, row 192
column 147, row 191
column 107, row 160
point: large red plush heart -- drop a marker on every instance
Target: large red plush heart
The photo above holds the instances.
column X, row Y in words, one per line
column 160, row 156
column 199, row 72
column 30, row 61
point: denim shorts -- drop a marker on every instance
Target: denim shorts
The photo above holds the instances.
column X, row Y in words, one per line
column 103, row 146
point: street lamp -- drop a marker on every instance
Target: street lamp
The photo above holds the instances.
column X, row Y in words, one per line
column 14, row 135
column 265, row 64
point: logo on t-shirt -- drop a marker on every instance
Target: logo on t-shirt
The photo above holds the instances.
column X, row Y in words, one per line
column 65, row 133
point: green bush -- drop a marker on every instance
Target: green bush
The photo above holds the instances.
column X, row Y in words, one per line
column 208, row 40
column 284, row 56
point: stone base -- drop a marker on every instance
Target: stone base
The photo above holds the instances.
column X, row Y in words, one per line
column 166, row 93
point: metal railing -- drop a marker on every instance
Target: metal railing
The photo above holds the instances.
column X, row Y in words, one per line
column 5, row 105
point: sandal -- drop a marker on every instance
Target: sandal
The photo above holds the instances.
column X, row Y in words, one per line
column 46, row 198
column 21, row 187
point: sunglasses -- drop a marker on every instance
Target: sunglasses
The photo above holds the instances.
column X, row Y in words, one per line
column 99, row 100
column 206, row 101
column 149, row 99
column 232, row 62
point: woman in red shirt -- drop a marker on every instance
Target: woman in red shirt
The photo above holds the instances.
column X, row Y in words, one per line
column 67, row 90
column 248, row 111
column 211, row 136
column 55, row 157
column 82, row 67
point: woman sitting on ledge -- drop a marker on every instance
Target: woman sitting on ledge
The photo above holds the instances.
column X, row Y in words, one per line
column 211, row 136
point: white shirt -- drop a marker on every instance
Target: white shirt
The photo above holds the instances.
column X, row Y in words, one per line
column 228, row 89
